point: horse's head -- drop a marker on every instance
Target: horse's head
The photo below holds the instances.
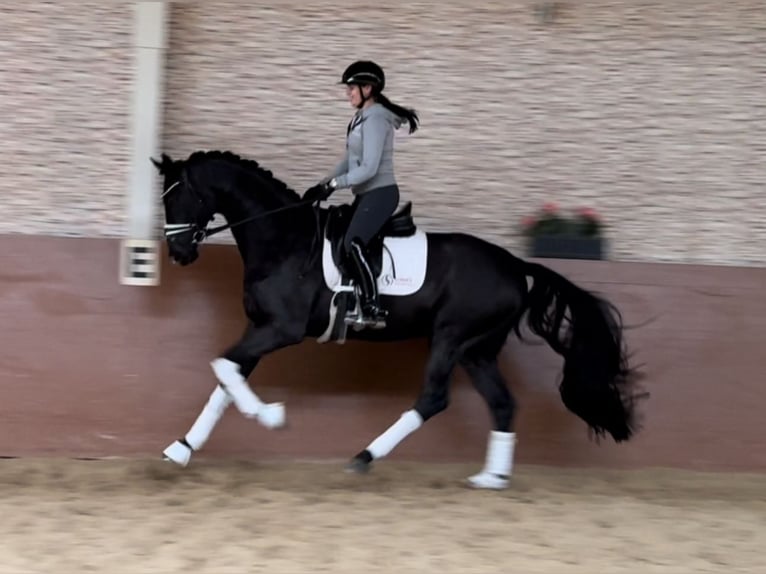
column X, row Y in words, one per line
column 188, row 209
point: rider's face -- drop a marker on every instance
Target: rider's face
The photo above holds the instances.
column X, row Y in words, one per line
column 354, row 94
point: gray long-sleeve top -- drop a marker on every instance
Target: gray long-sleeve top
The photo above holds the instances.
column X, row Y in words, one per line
column 369, row 159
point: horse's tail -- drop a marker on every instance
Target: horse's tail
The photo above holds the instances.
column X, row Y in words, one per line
column 597, row 383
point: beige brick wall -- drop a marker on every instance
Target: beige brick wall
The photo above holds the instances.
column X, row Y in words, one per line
column 65, row 81
column 650, row 112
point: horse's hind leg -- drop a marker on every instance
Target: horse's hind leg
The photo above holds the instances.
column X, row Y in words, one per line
column 433, row 399
column 180, row 451
column 481, row 365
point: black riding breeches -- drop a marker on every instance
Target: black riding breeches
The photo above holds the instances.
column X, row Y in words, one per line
column 371, row 210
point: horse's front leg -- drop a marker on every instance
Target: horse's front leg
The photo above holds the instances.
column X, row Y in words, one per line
column 232, row 371
column 257, row 341
column 180, row 451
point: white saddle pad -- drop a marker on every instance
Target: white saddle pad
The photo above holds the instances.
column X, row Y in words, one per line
column 404, row 265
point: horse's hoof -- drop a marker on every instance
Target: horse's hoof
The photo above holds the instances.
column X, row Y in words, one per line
column 486, row 480
column 358, row 466
column 272, row 415
column 178, row 453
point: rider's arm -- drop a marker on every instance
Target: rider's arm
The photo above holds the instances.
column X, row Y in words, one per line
column 374, row 131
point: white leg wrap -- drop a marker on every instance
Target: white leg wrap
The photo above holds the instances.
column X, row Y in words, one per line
column 212, row 412
column 200, row 431
column 409, row 422
column 178, row 453
column 244, row 398
column 271, row 415
column 498, row 465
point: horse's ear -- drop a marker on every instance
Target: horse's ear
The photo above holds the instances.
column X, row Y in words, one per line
column 164, row 165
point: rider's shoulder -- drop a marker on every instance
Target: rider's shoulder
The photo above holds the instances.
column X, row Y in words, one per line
column 379, row 114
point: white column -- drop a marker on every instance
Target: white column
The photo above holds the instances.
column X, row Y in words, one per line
column 139, row 262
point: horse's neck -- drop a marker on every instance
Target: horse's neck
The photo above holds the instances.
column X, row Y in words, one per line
column 268, row 237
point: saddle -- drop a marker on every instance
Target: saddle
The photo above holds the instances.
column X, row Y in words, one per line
column 400, row 224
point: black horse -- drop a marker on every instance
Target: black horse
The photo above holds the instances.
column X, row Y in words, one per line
column 472, row 295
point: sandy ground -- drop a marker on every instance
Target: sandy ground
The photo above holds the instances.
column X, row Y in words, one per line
column 116, row 517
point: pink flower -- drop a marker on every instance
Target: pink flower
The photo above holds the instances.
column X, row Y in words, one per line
column 588, row 213
column 551, row 207
column 528, row 221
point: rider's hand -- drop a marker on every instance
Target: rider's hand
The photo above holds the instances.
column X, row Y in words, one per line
column 319, row 192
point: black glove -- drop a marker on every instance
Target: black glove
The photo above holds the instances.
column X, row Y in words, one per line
column 319, row 192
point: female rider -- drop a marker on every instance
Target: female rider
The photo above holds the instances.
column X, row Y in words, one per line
column 368, row 169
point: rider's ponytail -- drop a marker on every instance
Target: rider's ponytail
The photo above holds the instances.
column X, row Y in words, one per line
column 406, row 113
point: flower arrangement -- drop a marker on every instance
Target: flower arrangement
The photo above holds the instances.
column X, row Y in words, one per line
column 585, row 223
column 553, row 234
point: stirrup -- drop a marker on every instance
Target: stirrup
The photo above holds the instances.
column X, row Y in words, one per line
column 359, row 319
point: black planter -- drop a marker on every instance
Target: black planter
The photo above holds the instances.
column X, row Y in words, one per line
column 567, row 247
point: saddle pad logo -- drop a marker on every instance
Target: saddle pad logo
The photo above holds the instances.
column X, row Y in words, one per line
column 388, row 280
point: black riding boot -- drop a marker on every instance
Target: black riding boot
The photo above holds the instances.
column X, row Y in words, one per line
column 372, row 314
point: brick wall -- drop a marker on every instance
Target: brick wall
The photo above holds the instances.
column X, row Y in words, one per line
column 65, row 96
column 650, row 112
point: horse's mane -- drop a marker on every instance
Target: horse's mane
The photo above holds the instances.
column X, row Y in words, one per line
column 248, row 164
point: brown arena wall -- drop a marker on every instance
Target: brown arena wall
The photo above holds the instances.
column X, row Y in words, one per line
column 93, row 369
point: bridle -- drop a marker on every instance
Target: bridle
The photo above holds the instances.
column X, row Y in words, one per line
column 175, row 229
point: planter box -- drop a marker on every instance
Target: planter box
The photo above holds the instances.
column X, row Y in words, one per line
column 567, row 247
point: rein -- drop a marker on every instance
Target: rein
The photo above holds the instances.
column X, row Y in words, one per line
column 208, row 232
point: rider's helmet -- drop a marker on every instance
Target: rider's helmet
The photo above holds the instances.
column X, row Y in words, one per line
column 364, row 72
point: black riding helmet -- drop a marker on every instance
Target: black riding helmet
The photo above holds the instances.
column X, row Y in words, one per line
column 365, row 72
